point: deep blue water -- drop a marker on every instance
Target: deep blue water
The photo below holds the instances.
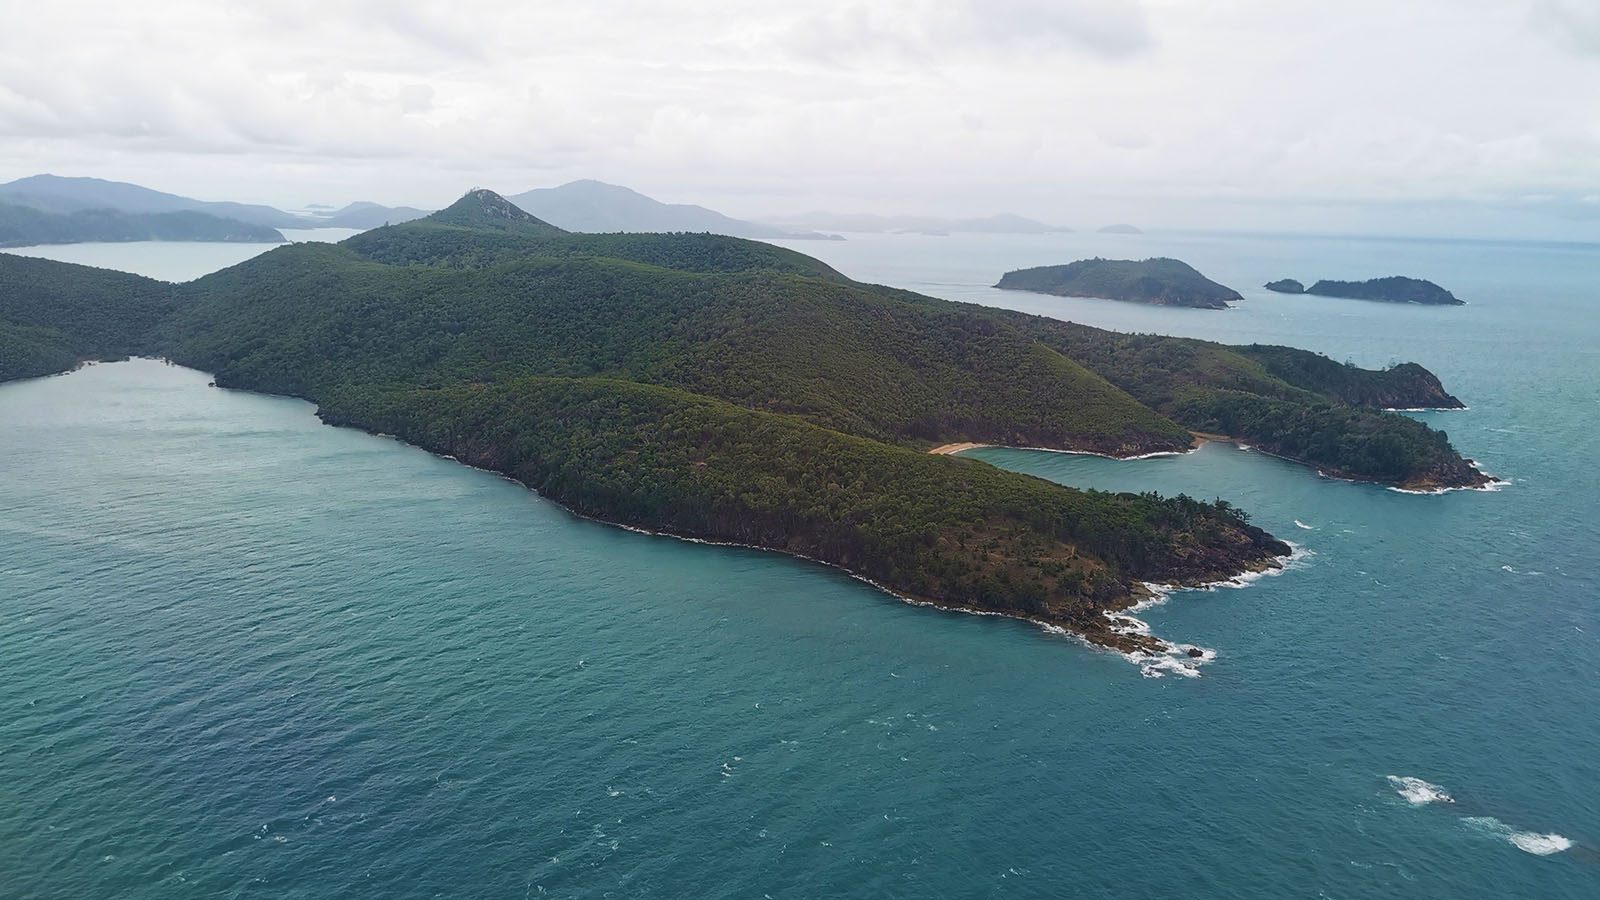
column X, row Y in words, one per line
column 250, row 655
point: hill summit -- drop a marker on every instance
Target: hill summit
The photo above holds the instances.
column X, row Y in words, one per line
column 483, row 208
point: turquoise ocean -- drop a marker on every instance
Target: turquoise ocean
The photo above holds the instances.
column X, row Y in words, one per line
column 248, row 655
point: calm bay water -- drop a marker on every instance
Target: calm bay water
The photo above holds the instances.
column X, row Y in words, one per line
column 247, row 654
column 172, row 260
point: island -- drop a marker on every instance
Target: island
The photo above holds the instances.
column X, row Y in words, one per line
column 732, row 391
column 22, row 226
column 1163, row 282
column 1394, row 289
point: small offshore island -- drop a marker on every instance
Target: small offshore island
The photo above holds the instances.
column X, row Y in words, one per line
column 732, row 391
column 1394, row 289
column 1161, row 281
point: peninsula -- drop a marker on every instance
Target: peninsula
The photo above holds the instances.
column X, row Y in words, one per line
column 22, row 226
column 1161, row 281
column 1394, row 289
column 727, row 390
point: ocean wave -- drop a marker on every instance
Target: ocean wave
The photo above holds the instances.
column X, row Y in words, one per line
column 1186, row 659
column 1526, row 841
column 1494, row 485
column 1418, row 792
column 1300, row 524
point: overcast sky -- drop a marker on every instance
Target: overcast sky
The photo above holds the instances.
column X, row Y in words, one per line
column 1456, row 116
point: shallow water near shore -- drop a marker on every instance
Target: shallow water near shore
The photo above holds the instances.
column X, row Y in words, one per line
column 250, row 654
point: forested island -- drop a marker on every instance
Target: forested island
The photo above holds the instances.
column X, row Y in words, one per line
column 1161, row 281
column 22, row 226
column 729, row 390
column 1394, row 289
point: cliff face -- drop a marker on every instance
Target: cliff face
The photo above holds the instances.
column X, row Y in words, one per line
column 1406, row 386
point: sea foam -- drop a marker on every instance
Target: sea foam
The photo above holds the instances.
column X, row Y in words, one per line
column 1421, row 793
column 1418, row 792
column 1526, row 841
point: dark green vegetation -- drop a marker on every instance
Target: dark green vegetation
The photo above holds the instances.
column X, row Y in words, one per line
column 22, row 226
column 1394, row 289
column 1165, row 282
column 1288, row 402
column 734, row 391
column 953, row 532
column 55, row 315
column 1286, row 286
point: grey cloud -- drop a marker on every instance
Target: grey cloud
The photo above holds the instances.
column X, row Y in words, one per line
column 933, row 32
column 1573, row 24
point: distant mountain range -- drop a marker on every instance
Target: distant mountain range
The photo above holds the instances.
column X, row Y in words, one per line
column 583, row 206
column 594, row 206
column 55, row 194
column 1003, row 223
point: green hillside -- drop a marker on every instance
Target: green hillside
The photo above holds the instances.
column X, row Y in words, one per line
column 54, row 315
column 308, row 316
column 950, row 531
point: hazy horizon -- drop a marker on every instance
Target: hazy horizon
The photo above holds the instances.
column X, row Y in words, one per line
column 1454, row 119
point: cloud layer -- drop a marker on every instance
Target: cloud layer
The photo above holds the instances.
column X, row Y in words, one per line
column 1163, row 106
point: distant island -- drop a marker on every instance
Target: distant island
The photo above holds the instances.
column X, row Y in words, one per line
column 1120, row 229
column 1161, row 281
column 364, row 215
column 734, row 391
column 64, row 196
column 596, row 207
column 23, row 226
column 937, row 226
column 1394, row 289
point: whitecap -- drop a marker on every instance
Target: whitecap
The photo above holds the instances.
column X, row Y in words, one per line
column 1526, row 841
column 1418, row 792
column 1300, row 524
